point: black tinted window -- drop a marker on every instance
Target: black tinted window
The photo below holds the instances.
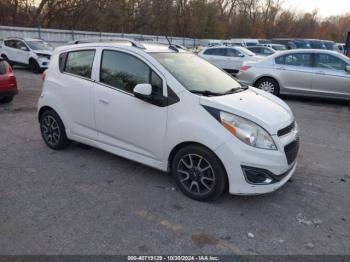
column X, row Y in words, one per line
column 232, row 52
column 125, row 71
column 9, row 43
column 216, row 51
column 295, row 60
column 329, row 62
column 80, row 63
column 2, row 67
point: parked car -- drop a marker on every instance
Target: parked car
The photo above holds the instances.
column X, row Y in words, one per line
column 172, row 110
column 8, row 83
column 317, row 73
column 34, row 53
column 264, row 41
column 262, row 50
column 330, row 45
column 340, row 47
column 244, row 42
column 292, row 43
column 276, row 47
column 228, row 58
column 316, row 44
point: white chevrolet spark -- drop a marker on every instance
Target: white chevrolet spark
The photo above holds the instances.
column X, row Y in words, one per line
column 169, row 109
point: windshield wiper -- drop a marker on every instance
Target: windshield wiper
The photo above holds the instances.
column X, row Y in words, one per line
column 206, row 93
column 236, row 90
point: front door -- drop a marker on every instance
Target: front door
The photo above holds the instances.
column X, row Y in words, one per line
column 124, row 121
column 331, row 77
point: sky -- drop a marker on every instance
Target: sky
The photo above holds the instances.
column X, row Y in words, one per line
column 325, row 7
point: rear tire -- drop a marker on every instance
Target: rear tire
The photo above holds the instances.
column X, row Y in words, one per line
column 53, row 130
column 6, row 99
column 199, row 173
column 269, row 85
column 34, row 66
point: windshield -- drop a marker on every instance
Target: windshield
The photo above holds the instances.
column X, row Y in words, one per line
column 39, row 45
column 279, row 47
column 245, row 51
column 196, row 74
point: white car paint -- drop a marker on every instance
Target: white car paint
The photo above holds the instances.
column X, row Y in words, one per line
column 23, row 55
column 115, row 121
column 229, row 58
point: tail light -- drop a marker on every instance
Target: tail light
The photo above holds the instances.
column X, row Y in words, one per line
column 244, row 68
column 43, row 75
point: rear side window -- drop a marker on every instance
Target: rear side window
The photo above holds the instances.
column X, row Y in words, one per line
column 125, row 71
column 303, row 60
column 80, row 63
column 9, row 43
column 2, row 67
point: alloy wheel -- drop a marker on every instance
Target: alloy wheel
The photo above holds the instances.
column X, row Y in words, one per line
column 50, row 130
column 196, row 174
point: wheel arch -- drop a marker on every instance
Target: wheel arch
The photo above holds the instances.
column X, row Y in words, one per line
column 44, row 109
column 178, row 147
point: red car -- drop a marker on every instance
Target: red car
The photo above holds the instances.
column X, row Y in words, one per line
column 8, row 83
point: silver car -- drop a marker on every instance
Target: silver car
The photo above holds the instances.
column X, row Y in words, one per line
column 317, row 73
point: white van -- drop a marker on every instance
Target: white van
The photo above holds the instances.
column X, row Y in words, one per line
column 169, row 109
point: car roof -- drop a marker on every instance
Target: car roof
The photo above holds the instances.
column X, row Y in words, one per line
column 298, row 51
column 146, row 47
column 23, row 39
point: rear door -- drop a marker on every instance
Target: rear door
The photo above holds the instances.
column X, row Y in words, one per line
column 10, row 49
column 216, row 56
column 75, row 91
column 330, row 77
column 234, row 59
column 295, row 72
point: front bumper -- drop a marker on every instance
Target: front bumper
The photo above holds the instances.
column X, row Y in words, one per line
column 236, row 155
column 43, row 62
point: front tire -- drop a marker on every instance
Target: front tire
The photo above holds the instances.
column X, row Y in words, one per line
column 199, row 173
column 269, row 85
column 34, row 66
column 6, row 99
column 53, row 131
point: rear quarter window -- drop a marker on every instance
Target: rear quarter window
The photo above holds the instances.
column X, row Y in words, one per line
column 80, row 63
column 2, row 67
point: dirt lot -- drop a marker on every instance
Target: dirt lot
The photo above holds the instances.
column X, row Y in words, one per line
column 86, row 201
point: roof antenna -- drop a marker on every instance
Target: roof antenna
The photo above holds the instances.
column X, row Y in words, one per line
column 172, row 47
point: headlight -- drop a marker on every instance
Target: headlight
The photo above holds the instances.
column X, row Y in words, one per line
column 247, row 131
column 43, row 56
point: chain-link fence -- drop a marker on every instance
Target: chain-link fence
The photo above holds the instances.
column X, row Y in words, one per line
column 60, row 37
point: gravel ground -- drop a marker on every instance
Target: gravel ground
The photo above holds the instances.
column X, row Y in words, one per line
column 86, row 201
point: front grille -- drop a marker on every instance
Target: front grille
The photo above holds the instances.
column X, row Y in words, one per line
column 292, row 150
column 286, row 130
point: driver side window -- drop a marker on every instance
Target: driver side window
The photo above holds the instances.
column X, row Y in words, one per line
column 329, row 62
column 124, row 71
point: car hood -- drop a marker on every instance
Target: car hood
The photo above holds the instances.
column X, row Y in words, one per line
column 44, row 52
column 256, row 105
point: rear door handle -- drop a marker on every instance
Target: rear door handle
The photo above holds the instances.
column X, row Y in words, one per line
column 104, row 101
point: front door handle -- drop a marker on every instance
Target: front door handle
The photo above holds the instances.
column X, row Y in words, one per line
column 104, row 101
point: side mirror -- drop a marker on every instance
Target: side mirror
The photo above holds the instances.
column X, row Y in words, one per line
column 23, row 48
column 143, row 91
column 241, row 55
column 347, row 68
